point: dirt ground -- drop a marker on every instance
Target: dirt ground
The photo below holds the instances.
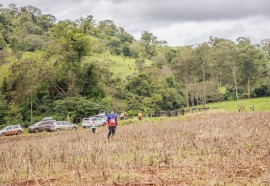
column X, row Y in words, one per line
column 204, row 149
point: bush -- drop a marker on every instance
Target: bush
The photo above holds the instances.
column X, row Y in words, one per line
column 262, row 91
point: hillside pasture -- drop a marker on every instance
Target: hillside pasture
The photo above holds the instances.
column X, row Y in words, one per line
column 260, row 104
column 214, row 148
column 119, row 65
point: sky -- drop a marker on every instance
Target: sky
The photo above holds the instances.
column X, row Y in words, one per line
column 179, row 22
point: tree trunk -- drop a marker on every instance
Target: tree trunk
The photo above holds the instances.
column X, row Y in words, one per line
column 192, row 98
column 220, row 84
column 204, row 94
column 235, row 83
column 248, row 87
column 187, row 102
column 31, row 103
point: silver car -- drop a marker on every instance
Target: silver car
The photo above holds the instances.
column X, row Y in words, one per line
column 11, row 130
column 62, row 125
column 87, row 122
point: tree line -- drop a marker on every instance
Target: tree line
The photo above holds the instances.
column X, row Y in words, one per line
column 48, row 68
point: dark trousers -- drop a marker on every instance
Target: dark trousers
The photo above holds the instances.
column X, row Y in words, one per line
column 94, row 130
column 111, row 131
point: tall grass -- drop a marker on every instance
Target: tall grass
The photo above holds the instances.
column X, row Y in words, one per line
column 208, row 149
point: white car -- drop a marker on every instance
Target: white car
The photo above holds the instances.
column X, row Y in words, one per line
column 60, row 125
column 11, row 130
column 87, row 122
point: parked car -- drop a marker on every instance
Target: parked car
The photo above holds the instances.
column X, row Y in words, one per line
column 11, row 130
column 41, row 126
column 60, row 125
column 87, row 122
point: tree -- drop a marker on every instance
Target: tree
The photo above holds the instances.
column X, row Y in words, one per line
column 3, row 43
column 114, row 46
column 91, row 85
column 184, row 68
column 124, row 36
column 3, row 109
column 148, row 44
column 126, row 50
column 87, row 25
column 107, row 28
column 26, row 78
column 35, row 12
column 248, row 59
column 227, row 54
column 159, row 61
column 203, row 92
column 76, row 108
column 203, row 60
column 46, row 21
column 68, row 47
column 140, row 63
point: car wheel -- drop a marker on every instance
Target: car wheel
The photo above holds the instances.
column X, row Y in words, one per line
column 36, row 130
column 19, row 132
column 2, row 134
column 57, row 130
column 104, row 123
column 74, row 128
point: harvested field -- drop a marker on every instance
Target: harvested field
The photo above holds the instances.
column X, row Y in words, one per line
column 208, row 149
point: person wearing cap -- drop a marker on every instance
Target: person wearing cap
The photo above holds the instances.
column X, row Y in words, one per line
column 111, row 123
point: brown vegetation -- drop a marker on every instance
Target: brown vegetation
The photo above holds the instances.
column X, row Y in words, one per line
column 209, row 149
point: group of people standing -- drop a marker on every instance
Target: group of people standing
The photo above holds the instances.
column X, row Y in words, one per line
column 241, row 108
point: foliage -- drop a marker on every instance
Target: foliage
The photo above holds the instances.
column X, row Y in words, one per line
column 46, row 64
column 75, row 107
column 261, row 91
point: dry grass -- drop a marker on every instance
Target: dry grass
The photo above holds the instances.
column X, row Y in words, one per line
column 209, row 149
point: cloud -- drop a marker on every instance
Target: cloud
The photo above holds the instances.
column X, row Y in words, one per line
column 191, row 10
column 176, row 21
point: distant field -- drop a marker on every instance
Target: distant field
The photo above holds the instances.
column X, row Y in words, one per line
column 260, row 104
column 212, row 148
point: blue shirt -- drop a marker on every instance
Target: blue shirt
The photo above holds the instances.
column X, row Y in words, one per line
column 112, row 119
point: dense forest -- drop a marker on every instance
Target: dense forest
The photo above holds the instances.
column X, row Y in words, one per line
column 64, row 69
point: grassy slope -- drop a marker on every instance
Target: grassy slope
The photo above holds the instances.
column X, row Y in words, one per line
column 121, row 66
column 260, row 104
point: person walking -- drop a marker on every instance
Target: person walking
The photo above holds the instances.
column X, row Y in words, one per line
column 122, row 116
column 140, row 116
column 111, row 123
column 94, row 127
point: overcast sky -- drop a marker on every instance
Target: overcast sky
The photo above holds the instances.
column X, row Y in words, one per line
column 179, row 22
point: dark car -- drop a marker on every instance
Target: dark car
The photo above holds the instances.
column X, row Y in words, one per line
column 40, row 126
